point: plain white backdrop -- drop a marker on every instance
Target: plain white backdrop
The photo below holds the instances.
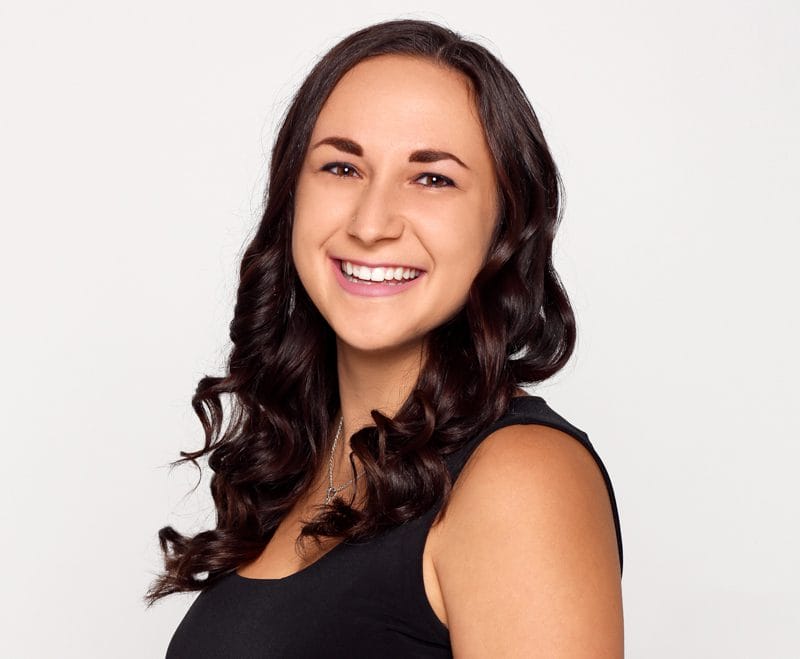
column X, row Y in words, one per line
column 134, row 143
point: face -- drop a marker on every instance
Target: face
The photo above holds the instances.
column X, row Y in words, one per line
column 395, row 205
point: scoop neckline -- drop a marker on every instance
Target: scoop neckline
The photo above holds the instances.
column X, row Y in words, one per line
column 302, row 571
column 312, row 566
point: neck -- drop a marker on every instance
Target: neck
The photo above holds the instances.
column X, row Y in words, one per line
column 373, row 381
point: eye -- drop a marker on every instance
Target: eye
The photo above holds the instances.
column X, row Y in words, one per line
column 436, row 180
column 344, row 168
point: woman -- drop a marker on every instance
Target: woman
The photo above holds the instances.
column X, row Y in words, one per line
column 398, row 292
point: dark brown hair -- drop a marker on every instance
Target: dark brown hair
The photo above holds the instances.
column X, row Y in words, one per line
column 516, row 328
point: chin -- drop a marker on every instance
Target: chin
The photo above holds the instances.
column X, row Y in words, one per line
column 377, row 342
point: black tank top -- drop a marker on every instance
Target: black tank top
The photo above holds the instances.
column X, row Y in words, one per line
column 359, row 600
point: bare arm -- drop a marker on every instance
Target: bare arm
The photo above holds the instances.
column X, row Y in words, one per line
column 528, row 563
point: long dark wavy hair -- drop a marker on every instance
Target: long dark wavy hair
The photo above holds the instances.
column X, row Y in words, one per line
column 516, row 328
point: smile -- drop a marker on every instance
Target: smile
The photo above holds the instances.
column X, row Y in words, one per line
column 363, row 273
column 377, row 281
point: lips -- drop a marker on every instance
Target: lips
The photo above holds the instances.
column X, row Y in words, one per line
column 374, row 281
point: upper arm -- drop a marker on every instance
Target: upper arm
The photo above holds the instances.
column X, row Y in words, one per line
column 528, row 563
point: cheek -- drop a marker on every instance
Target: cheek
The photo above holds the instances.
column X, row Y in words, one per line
column 460, row 240
column 320, row 208
column 307, row 224
column 304, row 241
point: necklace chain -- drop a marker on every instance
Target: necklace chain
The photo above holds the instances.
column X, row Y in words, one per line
column 332, row 491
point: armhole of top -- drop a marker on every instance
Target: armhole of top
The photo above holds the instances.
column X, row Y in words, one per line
column 533, row 410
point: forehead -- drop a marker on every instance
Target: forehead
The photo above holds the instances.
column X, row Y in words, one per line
column 403, row 102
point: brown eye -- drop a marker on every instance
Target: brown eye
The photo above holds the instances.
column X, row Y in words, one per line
column 344, row 169
column 436, row 180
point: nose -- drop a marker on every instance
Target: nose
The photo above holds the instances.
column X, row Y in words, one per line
column 375, row 215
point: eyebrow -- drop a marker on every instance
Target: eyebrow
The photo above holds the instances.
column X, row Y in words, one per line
column 420, row 155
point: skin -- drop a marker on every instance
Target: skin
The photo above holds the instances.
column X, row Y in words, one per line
column 524, row 563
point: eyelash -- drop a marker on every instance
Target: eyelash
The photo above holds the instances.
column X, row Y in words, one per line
column 447, row 181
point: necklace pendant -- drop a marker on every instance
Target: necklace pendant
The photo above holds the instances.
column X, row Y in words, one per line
column 329, row 494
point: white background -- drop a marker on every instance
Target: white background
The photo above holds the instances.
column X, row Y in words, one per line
column 134, row 142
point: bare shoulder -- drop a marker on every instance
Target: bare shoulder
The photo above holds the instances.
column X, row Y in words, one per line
column 527, row 560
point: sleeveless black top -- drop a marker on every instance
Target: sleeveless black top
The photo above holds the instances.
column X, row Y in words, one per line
column 359, row 600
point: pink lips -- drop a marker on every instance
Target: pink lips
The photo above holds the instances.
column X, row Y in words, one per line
column 370, row 289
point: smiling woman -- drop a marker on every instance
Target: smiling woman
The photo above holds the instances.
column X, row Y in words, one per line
column 397, row 295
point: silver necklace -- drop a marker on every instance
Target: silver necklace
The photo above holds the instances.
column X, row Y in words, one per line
column 332, row 491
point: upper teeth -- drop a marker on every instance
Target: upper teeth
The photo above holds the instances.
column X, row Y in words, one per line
column 378, row 274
